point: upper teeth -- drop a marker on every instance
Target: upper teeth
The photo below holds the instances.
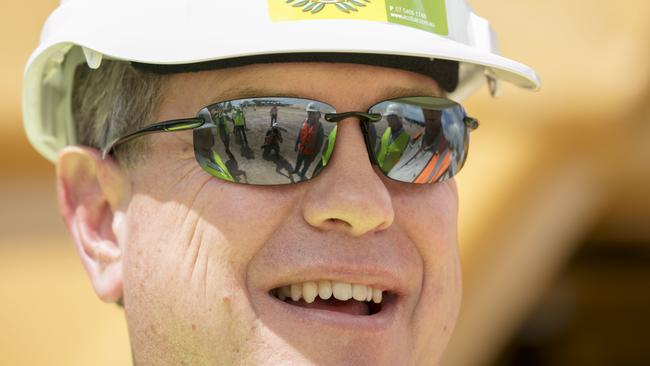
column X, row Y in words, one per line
column 326, row 289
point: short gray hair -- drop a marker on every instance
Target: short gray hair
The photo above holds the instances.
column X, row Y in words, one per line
column 113, row 100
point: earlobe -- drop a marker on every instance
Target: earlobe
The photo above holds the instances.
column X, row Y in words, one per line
column 92, row 193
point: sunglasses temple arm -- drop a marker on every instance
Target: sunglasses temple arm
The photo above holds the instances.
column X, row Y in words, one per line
column 471, row 123
column 167, row 126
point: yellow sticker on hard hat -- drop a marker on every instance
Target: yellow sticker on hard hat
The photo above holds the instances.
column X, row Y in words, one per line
column 428, row 15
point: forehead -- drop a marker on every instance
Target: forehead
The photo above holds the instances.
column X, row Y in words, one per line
column 345, row 85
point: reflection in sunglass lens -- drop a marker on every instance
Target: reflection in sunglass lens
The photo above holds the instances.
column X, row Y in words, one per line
column 419, row 139
column 264, row 141
column 276, row 140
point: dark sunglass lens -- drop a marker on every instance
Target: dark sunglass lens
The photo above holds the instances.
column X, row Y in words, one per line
column 419, row 139
column 265, row 141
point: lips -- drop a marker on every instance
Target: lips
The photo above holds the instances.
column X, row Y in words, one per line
column 353, row 279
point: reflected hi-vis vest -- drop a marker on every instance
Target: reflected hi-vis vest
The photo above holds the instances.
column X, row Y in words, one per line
column 331, row 138
column 222, row 124
column 438, row 162
column 308, row 138
column 217, row 168
column 391, row 152
column 238, row 119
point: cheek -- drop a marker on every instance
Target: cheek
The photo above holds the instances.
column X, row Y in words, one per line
column 189, row 243
column 429, row 215
column 181, row 216
column 433, row 231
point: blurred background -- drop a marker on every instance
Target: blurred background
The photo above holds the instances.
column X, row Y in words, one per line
column 555, row 204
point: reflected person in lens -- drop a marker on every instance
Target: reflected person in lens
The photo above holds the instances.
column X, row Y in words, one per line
column 309, row 141
column 220, row 118
column 272, row 141
column 394, row 140
column 239, row 122
column 426, row 156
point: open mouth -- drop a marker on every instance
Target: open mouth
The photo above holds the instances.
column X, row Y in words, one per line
column 340, row 297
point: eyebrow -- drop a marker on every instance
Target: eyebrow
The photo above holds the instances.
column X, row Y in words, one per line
column 394, row 92
column 391, row 92
column 250, row 92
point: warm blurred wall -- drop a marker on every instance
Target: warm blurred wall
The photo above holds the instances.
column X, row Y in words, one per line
column 550, row 168
column 49, row 314
column 20, row 29
column 545, row 168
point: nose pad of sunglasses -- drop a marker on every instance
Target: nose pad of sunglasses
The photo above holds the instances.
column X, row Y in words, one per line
column 363, row 116
column 365, row 119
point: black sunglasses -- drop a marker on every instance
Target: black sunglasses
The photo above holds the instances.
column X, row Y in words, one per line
column 283, row 140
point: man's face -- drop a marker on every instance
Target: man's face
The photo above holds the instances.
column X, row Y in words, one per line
column 313, row 117
column 432, row 122
column 202, row 256
column 394, row 122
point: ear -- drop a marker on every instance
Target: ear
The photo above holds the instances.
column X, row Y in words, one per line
column 92, row 197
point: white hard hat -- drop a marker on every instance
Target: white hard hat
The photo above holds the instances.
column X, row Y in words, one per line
column 394, row 109
column 166, row 32
column 312, row 107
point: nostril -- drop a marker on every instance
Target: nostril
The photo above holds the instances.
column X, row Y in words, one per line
column 338, row 222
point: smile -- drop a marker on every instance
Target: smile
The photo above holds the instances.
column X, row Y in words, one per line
column 334, row 296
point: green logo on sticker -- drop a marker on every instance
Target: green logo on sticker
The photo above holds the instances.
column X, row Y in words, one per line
column 315, row 6
column 426, row 15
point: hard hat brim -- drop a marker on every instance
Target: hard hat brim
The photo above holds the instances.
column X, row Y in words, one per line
column 152, row 40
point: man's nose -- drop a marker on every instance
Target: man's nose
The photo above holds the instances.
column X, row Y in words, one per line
column 348, row 195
